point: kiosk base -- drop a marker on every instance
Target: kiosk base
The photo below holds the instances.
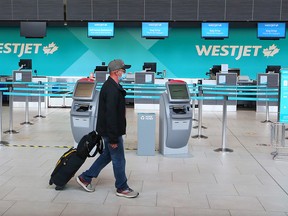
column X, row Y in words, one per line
column 174, row 151
column 223, row 150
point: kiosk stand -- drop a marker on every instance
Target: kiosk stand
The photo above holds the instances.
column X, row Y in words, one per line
column 175, row 119
column 83, row 114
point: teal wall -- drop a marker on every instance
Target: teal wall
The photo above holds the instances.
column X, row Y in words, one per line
column 67, row 51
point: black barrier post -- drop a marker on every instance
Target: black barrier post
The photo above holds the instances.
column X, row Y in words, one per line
column 224, row 126
column 39, row 102
column 11, row 131
column 1, row 141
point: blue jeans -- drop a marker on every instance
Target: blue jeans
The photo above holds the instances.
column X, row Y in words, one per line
column 118, row 161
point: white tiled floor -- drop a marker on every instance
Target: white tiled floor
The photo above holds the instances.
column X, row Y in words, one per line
column 245, row 182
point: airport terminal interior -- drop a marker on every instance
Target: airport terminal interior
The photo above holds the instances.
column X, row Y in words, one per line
column 206, row 105
column 246, row 181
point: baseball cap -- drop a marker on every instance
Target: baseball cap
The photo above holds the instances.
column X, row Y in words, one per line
column 117, row 64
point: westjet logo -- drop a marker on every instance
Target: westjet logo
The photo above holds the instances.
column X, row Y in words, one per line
column 235, row 50
column 20, row 49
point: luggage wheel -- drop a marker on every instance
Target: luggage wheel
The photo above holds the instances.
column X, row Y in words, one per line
column 50, row 182
column 59, row 187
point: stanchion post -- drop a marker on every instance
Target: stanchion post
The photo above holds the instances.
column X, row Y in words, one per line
column 64, row 104
column 11, row 131
column 200, row 103
column 267, row 113
column 39, row 102
column 193, row 104
column 1, row 141
column 224, row 126
column 26, row 113
column 267, row 109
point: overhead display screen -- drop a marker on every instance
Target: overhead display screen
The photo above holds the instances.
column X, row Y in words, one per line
column 271, row 30
column 155, row 29
column 100, row 29
column 215, row 30
column 33, row 29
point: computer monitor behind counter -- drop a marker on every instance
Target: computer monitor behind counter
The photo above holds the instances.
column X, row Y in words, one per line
column 25, row 64
column 273, row 69
column 216, row 69
column 150, row 66
column 178, row 92
column 234, row 70
column 101, row 68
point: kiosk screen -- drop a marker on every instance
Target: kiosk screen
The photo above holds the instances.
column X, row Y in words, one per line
column 84, row 90
column 178, row 93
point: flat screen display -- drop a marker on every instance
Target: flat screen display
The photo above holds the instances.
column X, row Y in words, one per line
column 25, row 64
column 271, row 30
column 100, row 29
column 178, row 92
column 84, row 90
column 101, row 68
column 273, row 68
column 150, row 66
column 33, row 29
column 215, row 30
column 155, row 29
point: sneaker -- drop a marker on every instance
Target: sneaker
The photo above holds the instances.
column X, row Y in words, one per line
column 87, row 186
column 128, row 193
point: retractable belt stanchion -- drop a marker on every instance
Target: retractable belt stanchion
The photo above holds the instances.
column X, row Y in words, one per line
column 11, row 131
column 193, row 104
column 64, row 103
column 200, row 103
column 267, row 111
column 1, row 141
column 39, row 103
column 26, row 113
column 224, row 125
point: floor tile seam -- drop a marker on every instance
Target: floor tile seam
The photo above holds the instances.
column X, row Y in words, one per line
column 63, row 210
column 261, row 203
column 263, row 168
column 10, row 207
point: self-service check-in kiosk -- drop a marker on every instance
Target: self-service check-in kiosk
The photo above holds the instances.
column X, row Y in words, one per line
column 83, row 114
column 175, row 119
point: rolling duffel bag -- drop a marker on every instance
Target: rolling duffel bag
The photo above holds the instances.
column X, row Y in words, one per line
column 70, row 162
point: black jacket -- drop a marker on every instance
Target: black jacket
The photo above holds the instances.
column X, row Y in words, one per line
column 111, row 121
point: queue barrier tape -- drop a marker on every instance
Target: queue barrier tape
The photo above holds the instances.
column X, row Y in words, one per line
column 35, row 94
column 241, row 93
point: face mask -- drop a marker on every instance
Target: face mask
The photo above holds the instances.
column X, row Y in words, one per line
column 122, row 77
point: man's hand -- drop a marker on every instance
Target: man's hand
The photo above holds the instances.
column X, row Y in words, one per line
column 114, row 146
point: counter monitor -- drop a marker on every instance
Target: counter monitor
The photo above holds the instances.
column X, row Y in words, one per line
column 25, row 64
column 150, row 66
column 273, row 68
